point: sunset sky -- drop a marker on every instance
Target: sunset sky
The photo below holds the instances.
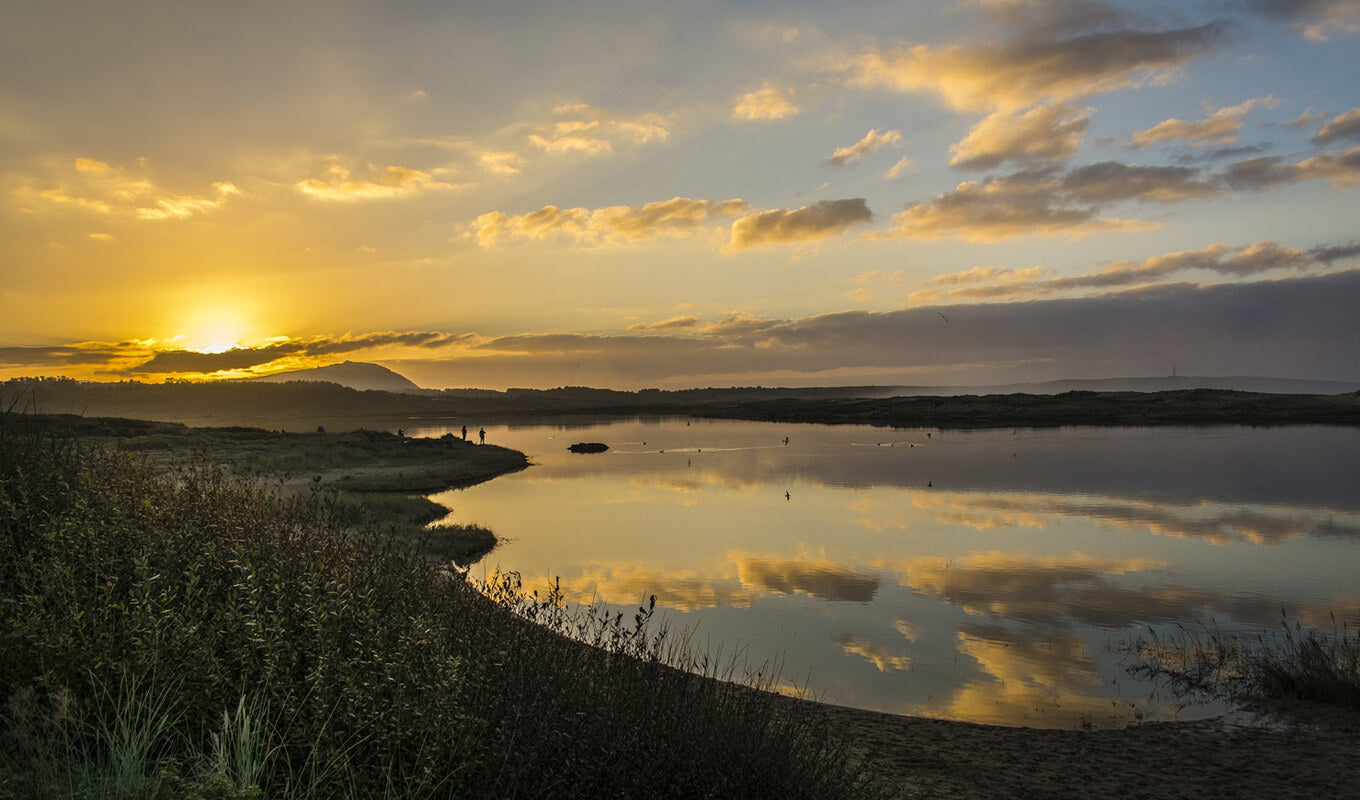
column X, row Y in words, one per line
column 633, row 194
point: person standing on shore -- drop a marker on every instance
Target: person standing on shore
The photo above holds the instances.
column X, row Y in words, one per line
column 482, row 435
column 465, row 433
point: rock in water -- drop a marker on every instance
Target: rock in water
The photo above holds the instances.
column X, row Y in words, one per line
column 588, row 447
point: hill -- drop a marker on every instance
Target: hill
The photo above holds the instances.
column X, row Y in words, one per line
column 353, row 374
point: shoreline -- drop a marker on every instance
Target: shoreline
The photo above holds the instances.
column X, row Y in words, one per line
column 920, row 757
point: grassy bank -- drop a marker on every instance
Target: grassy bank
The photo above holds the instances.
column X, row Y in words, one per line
column 379, row 478
column 192, row 633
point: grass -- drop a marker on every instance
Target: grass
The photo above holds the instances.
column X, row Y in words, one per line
column 1287, row 663
column 379, row 478
column 188, row 632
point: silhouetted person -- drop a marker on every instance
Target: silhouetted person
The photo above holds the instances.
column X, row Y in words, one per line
column 465, row 433
column 482, row 435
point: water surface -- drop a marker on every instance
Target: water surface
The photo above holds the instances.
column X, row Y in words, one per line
column 990, row 576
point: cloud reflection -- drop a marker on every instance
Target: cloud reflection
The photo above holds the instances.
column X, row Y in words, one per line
column 822, row 579
column 1218, row 523
column 875, row 654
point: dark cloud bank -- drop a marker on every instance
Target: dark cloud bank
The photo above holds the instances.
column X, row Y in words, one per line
column 1291, row 327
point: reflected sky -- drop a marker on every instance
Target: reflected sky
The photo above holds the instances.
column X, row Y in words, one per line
column 987, row 575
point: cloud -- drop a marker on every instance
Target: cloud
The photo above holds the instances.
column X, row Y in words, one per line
column 821, row 220
column 672, row 324
column 1042, row 201
column 1318, row 19
column 763, row 104
column 870, row 144
column 1050, row 16
column 98, row 187
column 238, row 359
column 902, row 168
column 582, row 129
column 386, row 183
column 501, row 162
column 1267, row 172
column 1342, row 127
column 1012, row 76
column 71, row 355
column 1028, row 203
column 1221, row 126
column 679, row 216
column 979, row 283
column 1307, row 118
column 1041, row 134
column 185, row 206
column 1292, row 326
column 1112, row 182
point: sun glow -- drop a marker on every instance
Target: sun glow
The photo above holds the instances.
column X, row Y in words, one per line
column 214, row 329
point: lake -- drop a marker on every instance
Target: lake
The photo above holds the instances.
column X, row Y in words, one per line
column 991, row 576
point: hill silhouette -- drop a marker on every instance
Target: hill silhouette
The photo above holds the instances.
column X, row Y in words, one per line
column 352, row 374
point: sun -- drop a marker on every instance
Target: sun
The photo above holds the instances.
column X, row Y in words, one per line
column 215, row 329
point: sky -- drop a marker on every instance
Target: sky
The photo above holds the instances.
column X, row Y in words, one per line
column 684, row 194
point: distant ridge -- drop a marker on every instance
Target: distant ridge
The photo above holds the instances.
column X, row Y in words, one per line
column 1237, row 383
column 353, row 374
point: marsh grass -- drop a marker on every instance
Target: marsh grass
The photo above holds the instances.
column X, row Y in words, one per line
column 191, row 633
column 1290, row 662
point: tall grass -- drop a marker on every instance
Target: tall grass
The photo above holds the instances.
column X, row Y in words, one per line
column 1289, row 662
column 194, row 634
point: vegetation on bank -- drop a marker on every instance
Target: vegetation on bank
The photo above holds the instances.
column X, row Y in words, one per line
column 379, row 478
column 183, row 632
column 1288, row 663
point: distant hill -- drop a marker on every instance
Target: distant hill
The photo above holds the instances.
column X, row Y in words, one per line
column 353, row 374
column 1157, row 384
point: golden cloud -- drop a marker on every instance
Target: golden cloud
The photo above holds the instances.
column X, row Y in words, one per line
column 1220, row 127
column 1342, row 126
column 677, row 217
column 985, row 78
column 386, row 183
column 1342, row 168
column 501, row 162
column 903, row 167
column 870, row 144
column 586, row 130
column 672, row 324
column 91, row 185
column 1045, row 133
column 763, row 104
column 821, row 220
column 1001, row 208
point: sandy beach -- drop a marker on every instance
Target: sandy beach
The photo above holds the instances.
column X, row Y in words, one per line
column 927, row 758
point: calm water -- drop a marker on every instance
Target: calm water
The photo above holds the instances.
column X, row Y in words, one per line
column 989, row 576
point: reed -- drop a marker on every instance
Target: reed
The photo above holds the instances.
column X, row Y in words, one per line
column 1288, row 662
